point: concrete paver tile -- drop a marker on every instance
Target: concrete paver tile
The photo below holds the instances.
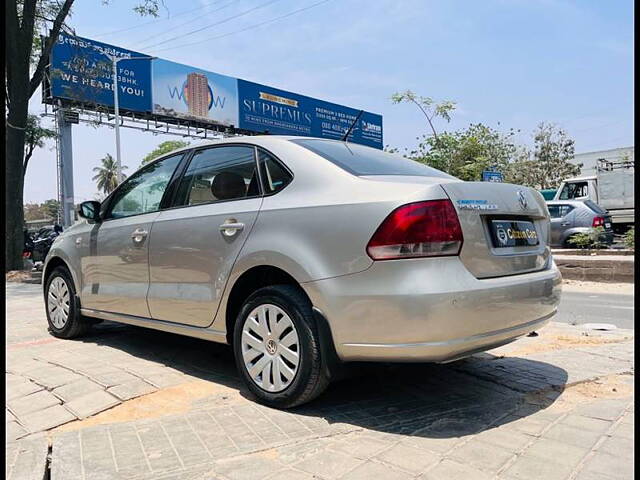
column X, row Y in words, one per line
column 371, row 470
column 77, row 389
column 47, row 418
column 326, row 465
column 32, row 403
column 451, row 470
column 132, row 389
column 91, row 403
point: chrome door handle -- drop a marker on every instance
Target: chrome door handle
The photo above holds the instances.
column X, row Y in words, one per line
column 139, row 235
column 565, row 224
column 230, row 227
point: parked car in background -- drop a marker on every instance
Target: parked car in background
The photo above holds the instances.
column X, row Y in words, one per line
column 303, row 253
column 611, row 188
column 571, row 217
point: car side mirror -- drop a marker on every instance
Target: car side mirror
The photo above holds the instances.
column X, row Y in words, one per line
column 90, row 210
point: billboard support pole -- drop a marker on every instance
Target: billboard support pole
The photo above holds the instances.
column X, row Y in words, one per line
column 116, row 109
column 65, row 172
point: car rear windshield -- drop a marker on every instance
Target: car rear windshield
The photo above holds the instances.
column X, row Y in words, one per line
column 595, row 207
column 360, row 160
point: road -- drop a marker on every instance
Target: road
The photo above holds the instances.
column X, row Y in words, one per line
column 591, row 307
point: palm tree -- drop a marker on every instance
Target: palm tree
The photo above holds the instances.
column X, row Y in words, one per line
column 106, row 175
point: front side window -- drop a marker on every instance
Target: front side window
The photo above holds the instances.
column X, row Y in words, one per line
column 143, row 191
column 274, row 176
column 574, row 190
column 218, row 174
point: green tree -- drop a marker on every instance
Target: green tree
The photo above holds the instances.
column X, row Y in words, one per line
column 35, row 136
column 164, row 147
column 38, row 211
column 548, row 164
column 107, row 174
column 25, row 21
column 466, row 153
column 429, row 108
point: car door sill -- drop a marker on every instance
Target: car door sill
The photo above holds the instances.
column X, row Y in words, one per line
column 188, row 330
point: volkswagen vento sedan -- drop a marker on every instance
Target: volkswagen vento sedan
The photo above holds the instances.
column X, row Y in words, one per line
column 305, row 253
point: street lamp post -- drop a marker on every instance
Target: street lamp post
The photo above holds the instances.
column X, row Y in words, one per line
column 116, row 108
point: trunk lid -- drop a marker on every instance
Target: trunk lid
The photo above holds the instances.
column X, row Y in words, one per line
column 493, row 216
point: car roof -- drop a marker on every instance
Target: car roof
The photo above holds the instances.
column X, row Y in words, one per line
column 255, row 139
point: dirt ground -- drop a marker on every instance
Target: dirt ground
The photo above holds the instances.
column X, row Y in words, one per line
column 597, row 287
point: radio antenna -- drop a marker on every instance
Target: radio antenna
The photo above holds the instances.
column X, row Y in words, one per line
column 346, row 135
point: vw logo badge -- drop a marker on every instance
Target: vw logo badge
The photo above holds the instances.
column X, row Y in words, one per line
column 522, row 199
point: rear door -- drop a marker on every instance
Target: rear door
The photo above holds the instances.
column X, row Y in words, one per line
column 194, row 244
column 115, row 273
column 505, row 227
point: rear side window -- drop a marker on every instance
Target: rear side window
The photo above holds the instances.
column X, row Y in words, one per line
column 595, row 207
column 559, row 211
column 360, row 160
column 274, row 175
column 218, row 174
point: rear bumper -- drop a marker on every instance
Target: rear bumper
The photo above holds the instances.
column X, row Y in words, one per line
column 431, row 310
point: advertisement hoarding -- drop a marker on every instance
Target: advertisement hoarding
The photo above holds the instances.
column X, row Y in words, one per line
column 81, row 70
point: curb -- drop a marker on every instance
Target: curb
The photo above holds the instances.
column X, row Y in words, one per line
column 597, row 268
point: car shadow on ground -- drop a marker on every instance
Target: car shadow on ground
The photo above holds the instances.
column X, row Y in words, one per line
column 422, row 400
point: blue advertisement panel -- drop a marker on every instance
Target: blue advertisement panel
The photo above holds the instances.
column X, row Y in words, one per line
column 278, row 112
column 188, row 92
column 82, row 70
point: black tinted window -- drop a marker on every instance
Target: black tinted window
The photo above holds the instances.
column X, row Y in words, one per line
column 595, row 207
column 360, row 160
column 274, row 176
column 219, row 173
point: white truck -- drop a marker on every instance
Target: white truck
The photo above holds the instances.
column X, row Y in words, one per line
column 611, row 188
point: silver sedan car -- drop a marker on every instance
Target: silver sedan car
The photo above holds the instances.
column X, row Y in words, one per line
column 305, row 253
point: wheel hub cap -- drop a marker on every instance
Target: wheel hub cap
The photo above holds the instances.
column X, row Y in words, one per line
column 270, row 348
column 58, row 302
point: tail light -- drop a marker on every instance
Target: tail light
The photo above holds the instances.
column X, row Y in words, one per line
column 422, row 229
column 598, row 222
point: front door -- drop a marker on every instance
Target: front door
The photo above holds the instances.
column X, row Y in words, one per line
column 194, row 245
column 116, row 270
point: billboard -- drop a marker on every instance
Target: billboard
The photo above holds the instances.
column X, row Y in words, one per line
column 81, row 70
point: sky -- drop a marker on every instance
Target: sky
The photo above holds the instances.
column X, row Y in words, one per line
column 506, row 63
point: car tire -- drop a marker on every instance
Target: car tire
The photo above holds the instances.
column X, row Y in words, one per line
column 265, row 362
column 62, row 306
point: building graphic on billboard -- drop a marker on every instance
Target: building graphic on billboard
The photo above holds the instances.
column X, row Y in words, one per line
column 198, row 95
column 185, row 92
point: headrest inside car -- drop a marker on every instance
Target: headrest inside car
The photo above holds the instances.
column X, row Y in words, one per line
column 228, row 185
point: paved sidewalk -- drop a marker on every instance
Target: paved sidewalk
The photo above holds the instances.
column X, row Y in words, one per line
column 127, row 403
